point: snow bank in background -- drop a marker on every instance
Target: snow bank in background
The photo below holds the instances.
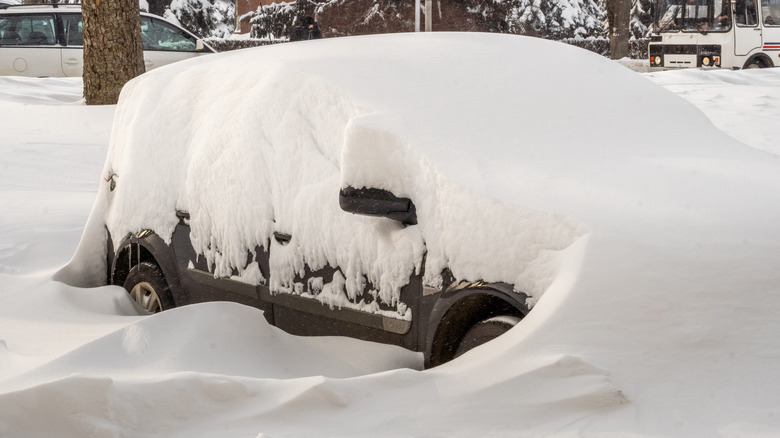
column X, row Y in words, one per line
column 50, row 144
column 27, row 91
column 755, row 89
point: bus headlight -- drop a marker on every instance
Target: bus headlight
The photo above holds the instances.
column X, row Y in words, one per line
column 709, row 55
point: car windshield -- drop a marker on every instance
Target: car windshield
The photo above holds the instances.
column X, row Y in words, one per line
column 692, row 16
column 158, row 35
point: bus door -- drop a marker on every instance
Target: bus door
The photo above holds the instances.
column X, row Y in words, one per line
column 747, row 32
column 770, row 12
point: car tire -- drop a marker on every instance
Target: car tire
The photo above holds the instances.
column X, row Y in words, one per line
column 485, row 331
column 147, row 287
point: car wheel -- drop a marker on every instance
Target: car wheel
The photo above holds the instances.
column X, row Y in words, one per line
column 147, row 287
column 485, row 331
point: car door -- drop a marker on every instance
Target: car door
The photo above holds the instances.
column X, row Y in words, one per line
column 28, row 45
column 165, row 43
column 335, row 273
column 73, row 50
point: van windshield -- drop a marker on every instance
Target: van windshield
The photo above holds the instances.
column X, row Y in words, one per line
column 691, row 16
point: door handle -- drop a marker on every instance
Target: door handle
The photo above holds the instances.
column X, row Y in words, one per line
column 72, row 61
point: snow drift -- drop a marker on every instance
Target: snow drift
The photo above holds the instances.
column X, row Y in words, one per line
column 661, row 320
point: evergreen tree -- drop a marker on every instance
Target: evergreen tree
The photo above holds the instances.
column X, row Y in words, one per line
column 273, row 21
column 641, row 19
column 579, row 21
column 206, row 18
column 552, row 19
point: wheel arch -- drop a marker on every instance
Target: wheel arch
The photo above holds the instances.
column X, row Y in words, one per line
column 145, row 246
column 762, row 59
column 456, row 311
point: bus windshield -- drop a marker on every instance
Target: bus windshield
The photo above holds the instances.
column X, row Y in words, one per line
column 691, row 16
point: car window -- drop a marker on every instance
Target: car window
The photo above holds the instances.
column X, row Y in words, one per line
column 74, row 29
column 27, row 30
column 159, row 35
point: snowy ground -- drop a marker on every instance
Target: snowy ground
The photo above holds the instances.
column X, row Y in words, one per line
column 82, row 362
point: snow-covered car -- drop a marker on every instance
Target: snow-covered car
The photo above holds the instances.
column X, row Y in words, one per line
column 424, row 190
column 47, row 40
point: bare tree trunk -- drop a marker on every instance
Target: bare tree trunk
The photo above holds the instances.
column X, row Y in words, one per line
column 619, row 17
column 113, row 53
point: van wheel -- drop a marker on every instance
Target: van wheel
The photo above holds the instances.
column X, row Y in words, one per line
column 485, row 331
column 148, row 288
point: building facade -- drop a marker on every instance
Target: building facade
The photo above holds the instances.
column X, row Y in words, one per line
column 245, row 6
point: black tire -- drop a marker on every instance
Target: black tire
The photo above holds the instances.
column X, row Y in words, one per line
column 147, row 287
column 758, row 62
column 485, row 331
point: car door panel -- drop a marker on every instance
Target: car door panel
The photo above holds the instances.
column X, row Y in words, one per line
column 73, row 61
column 28, row 46
column 159, row 58
column 201, row 285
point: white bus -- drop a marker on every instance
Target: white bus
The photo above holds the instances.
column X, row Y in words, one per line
column 731, row 34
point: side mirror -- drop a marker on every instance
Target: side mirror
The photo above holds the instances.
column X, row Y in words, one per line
column 378, row 202
column 199, row 45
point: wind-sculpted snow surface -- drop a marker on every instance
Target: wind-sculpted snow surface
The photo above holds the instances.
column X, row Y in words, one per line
column 661, row 320
column 206, row 334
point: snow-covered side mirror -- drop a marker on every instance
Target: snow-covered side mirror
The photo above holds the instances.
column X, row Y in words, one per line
column 378, row 202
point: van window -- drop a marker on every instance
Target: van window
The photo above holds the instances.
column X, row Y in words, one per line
column 159, row 35
column 27, row 30
column 74, row 29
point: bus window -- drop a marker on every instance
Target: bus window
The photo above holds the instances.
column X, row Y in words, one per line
column 770, row 9
column 746, row 13
column 692, row 15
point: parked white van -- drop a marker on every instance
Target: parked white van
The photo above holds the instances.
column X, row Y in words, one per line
column 47, row 40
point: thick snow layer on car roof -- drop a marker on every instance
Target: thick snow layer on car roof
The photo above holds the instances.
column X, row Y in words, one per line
column 508, row 159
